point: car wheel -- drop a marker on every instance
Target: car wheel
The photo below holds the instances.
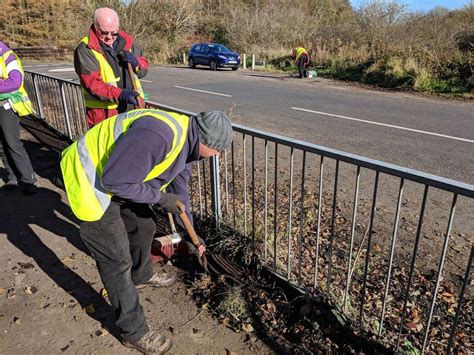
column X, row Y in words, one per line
column 191, row 63
column 235, row 69
column 213, row 65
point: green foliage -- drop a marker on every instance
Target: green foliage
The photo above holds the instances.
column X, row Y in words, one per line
column 409, row 349
column 392, row 72
column 403, row 73
column 423, row 81
column 346, row 72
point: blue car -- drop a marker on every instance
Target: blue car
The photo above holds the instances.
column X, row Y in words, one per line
column 213, row 55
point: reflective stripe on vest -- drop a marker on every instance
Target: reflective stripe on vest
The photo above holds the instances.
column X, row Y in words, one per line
column 23, row 106
column 108, row 76
column 92, row 175
column 82, row 163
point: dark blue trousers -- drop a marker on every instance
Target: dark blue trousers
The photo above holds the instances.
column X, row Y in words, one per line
column 14, row 157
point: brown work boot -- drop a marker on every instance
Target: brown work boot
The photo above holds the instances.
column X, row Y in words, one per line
column 159, row 279
column 151, row 343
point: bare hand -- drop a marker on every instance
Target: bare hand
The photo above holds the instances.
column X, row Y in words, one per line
column 201, row 250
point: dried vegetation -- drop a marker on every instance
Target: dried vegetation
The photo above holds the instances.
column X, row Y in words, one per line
column 322, row 321
column 380, row 42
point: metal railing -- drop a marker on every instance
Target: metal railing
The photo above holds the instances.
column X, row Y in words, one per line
column 283, row 191
column 313, row 212
column 58, row 103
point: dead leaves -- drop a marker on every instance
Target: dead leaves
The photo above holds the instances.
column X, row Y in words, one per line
column 270, row 307
column 270, row 310
column 101, row 332
column 448, row 297
column 89, row 309
column 414, row 326
column 15, row 321
column 30, row 290
column 248, row 328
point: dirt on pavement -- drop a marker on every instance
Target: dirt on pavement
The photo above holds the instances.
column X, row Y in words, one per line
column 50, row 299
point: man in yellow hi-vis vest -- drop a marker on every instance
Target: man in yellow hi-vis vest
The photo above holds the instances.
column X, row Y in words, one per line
column 14, row 103
column 111, row 175
column 301, row 57
column 101, row 61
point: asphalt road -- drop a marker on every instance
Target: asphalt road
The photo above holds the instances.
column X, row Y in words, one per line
column 428, row 134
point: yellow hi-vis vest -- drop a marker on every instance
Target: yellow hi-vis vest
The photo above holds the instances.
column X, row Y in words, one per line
column 108, row 76
column 21, row 106
column 299, row 52
column 82, row 163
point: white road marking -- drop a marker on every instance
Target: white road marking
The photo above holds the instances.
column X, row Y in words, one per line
column 42, row 65
column 59, row 70
column 204, row 91
column 385, row 125
column 145, row 81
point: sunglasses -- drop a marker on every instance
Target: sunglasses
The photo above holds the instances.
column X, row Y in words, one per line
column 105, row 33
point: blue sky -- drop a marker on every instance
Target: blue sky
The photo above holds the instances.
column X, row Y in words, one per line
column 426, row 5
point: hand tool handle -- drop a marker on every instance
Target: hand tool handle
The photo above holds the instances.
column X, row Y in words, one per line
column 141, row 103
column 190, row 229
column 192, row 233
column 172, row 225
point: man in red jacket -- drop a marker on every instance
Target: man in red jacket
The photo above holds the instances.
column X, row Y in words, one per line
column 101, row 61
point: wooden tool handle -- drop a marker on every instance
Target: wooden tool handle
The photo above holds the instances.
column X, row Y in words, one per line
column 192, row 233
column 187, row 224
column 190, row 229
column 141, row 103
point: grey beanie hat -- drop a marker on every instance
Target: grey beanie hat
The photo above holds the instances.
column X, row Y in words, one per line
column 214, row 129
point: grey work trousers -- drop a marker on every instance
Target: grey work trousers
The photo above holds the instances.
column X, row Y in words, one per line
column 120, row 243
column 12, row 152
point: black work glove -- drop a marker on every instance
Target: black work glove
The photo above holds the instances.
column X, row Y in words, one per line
column 128, row 57
column 129, row 97
column 170, row 202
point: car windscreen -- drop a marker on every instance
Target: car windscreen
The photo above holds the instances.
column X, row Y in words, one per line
column 218, row 48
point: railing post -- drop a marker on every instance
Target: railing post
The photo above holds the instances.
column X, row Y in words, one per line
column 38, row 99
column 66, row 111
column 215, row 188
column 245, row 61
column 253, row 61
column 184, row 58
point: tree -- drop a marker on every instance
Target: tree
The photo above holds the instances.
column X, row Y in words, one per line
column 376, row 19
